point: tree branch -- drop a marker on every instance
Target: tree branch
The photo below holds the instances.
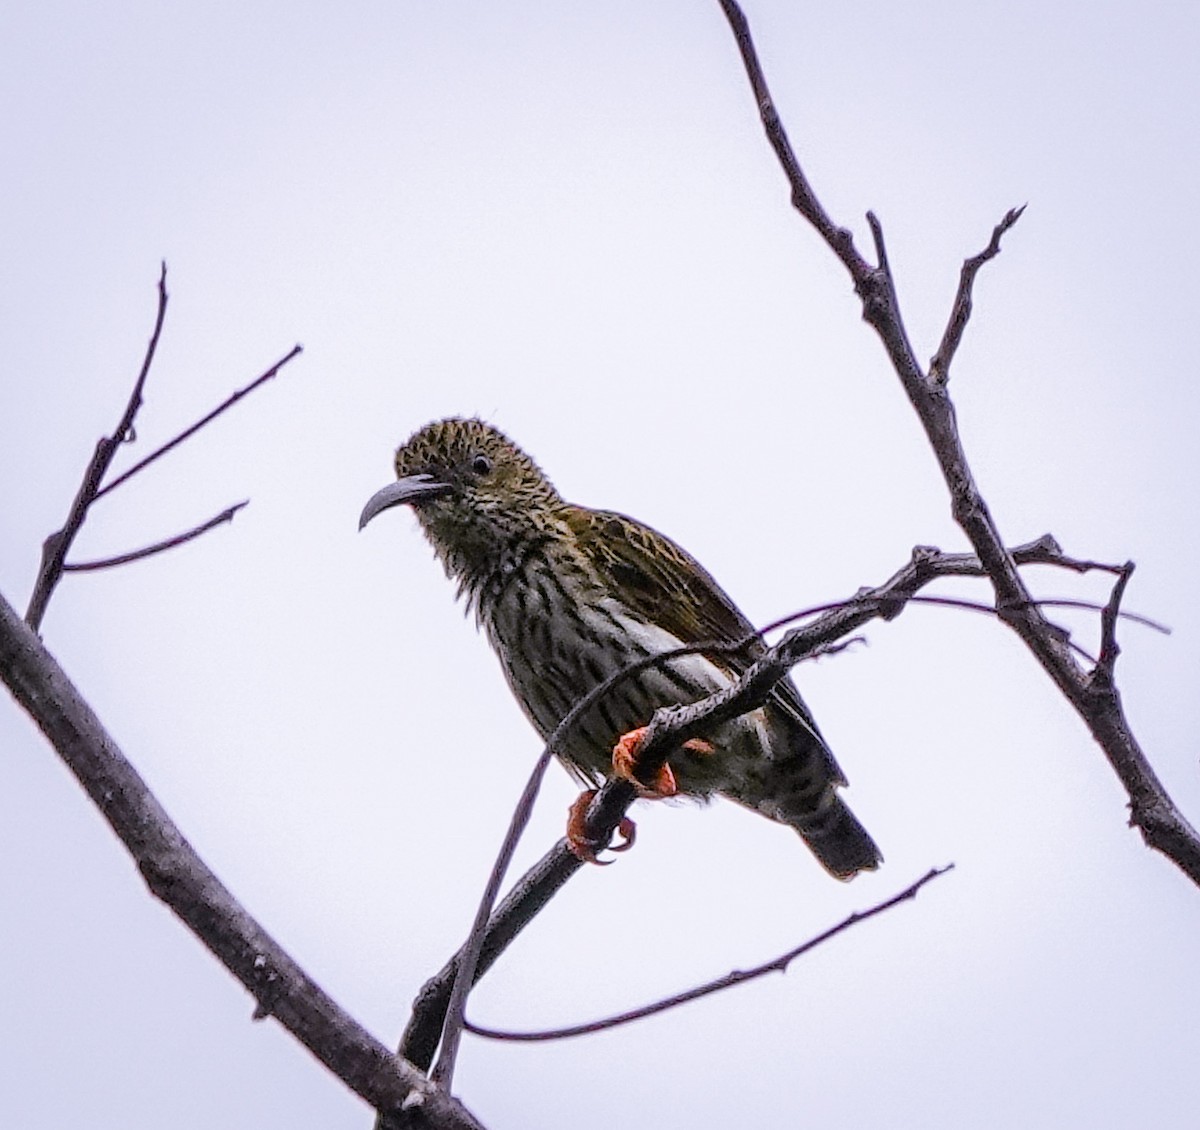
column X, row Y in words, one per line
column 728, row 981
column 56, row 546
column 1096, row 700
column 1103, row 673
column 176, row 875
column 469, row 961
column 208, row 418
column 939, row 366
column 226, row 515
column 520, row 906
column 668, row 730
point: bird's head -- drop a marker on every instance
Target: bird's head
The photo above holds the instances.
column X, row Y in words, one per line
column 476, row 494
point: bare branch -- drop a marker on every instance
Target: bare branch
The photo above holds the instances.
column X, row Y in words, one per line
column 124, row 432
column 534, row 890
column 187, row 432
column 438, row 1011
column 804, row 200
column 1152, row 810
column 939, row 367
column 729, row 980
column 226, row 515
column 176, row 875
column 57, row 545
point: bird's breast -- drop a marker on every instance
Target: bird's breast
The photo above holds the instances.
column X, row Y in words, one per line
column 559, row 639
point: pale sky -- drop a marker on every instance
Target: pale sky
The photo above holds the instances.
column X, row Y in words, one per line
column 564, row 217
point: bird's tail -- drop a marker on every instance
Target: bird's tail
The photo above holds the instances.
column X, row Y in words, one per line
column 837, row 839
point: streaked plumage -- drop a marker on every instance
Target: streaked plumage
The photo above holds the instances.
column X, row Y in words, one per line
column 568, row 595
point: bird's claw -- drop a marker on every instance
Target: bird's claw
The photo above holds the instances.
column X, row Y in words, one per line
column 582, row 845
column 627, row 830
column 625, row 759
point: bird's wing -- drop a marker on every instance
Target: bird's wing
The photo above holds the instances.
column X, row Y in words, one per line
column 669, row 587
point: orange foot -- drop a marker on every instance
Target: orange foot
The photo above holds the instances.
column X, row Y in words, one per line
column 582, row 845
column 625, row 757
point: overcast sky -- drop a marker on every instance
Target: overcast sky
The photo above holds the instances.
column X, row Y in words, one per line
column 564, row 217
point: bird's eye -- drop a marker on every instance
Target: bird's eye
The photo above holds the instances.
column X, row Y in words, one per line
column 481, row 465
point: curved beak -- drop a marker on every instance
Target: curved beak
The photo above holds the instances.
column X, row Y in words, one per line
column 402, row 491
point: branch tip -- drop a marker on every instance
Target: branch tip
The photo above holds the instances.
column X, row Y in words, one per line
column 1102, row 673
column 881, row 256
column 57, row 546
column 729, row 980
column 960, row 313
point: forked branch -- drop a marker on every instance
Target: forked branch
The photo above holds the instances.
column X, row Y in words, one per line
column 439, row 1005
column 92, row 487
column 1093, row 694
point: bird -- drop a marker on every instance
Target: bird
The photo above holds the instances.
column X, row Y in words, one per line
column 568, row 596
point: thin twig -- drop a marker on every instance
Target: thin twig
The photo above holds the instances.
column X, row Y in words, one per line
column 443, row 1070
column 226, row 515
column 804, row 200
column 528, row 896
column 729, row 980
column 57, row 545
column 191, row 430
column 1092, row 606
column 939, row 367
column 1102, row 673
